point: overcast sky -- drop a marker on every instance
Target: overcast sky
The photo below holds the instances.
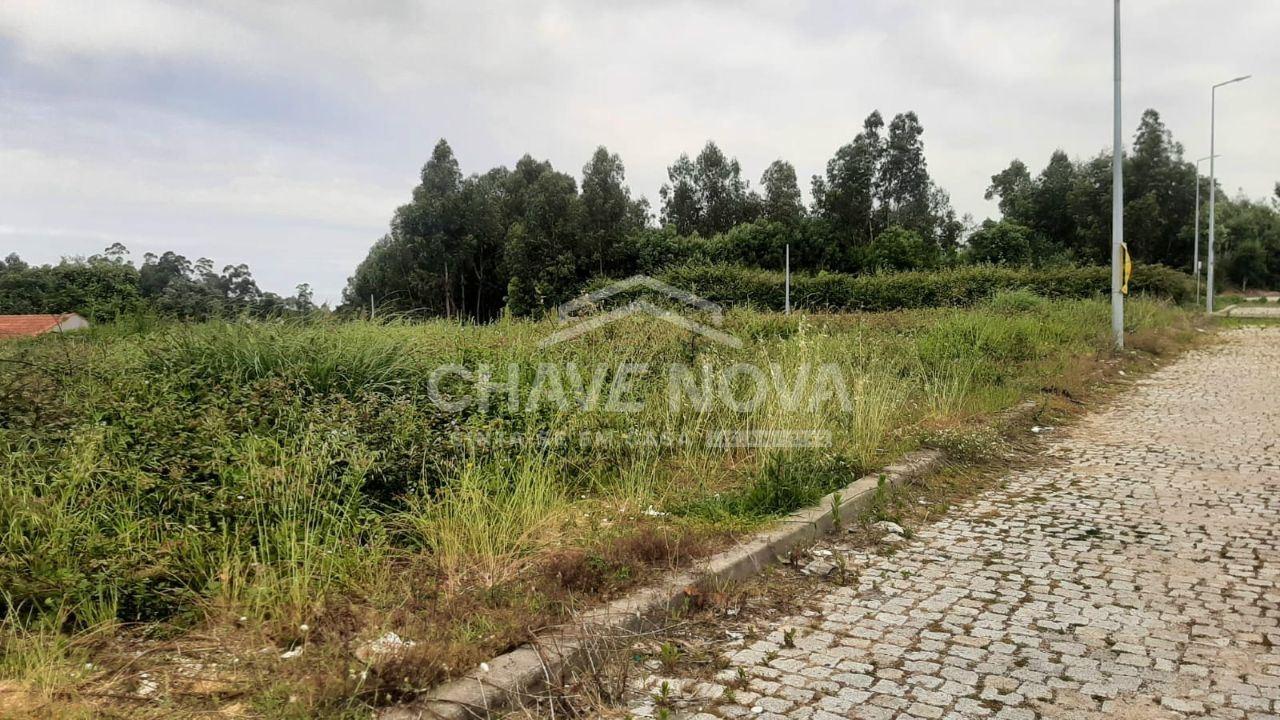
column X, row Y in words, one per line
column 283, row 134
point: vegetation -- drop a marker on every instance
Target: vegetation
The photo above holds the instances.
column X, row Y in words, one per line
column 106, row 286
column 765, row 289
column 526, row 239
column 276, row 483
column 1065, row 213
column 183, row 496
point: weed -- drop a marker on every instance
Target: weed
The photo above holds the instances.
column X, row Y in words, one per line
column 669, row 655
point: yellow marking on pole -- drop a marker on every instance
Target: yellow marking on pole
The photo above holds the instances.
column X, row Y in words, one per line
column 1128, row 268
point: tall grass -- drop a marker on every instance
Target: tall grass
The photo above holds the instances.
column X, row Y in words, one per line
column 490, row 519
column 175, row 475
column 306, row 526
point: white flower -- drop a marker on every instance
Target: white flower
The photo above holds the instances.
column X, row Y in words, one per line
column 484, row 667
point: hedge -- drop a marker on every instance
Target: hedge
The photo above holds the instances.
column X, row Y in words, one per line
column 732, row 285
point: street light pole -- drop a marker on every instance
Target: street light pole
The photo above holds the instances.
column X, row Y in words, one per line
column 1195, row 263
column 1117, row 204
column 1213, row 183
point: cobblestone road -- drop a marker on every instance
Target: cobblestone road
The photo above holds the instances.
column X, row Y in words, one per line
column 1138, row 578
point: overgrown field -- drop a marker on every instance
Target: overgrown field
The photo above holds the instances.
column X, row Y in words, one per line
column 217, row 517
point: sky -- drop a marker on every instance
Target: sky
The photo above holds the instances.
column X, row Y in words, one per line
column 284, row 134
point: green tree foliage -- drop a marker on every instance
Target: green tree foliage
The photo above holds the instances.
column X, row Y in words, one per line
column 782, row 202
column 1012, row 188
column 1249, row 242
column 1050, row 201
column 877, row 182
column 845, row 199
column 681, row 201
column 1159, row 195
column 1090, row 201
column 97, row 288
column 103, row 287
column 1067, row 209
column 609, row 214
column 543, row 249
column 1002, row 243
column 444, row 252
column 707, row 195
column 904, row 177
column 527, row 238
column 898, row 248
column 524, row 239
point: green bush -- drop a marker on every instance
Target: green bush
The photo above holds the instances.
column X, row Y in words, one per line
column 763, row 289
column 900, row 249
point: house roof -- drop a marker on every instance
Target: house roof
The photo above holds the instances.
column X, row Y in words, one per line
column 30, row 325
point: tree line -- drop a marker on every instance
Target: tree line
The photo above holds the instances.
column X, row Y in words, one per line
column 528, row 238
column 107, row 285
column 1063, row 214
column 524, row 239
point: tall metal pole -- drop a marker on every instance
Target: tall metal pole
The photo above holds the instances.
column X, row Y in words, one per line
column 1213, row 190
column 1117, row 204
column 1195, row 262
column 1213, row 185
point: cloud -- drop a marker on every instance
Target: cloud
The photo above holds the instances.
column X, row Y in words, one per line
column 49, row 30
column 284, row 134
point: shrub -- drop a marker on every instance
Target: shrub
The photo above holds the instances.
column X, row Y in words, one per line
column 763, row 289
column 900, row 249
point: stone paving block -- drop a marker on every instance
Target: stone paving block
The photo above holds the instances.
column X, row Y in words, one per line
column 1136, row 571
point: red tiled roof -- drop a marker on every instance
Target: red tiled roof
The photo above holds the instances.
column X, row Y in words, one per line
column 29, row 325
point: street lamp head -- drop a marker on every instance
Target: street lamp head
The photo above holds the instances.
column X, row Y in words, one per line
column 1233, row 80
